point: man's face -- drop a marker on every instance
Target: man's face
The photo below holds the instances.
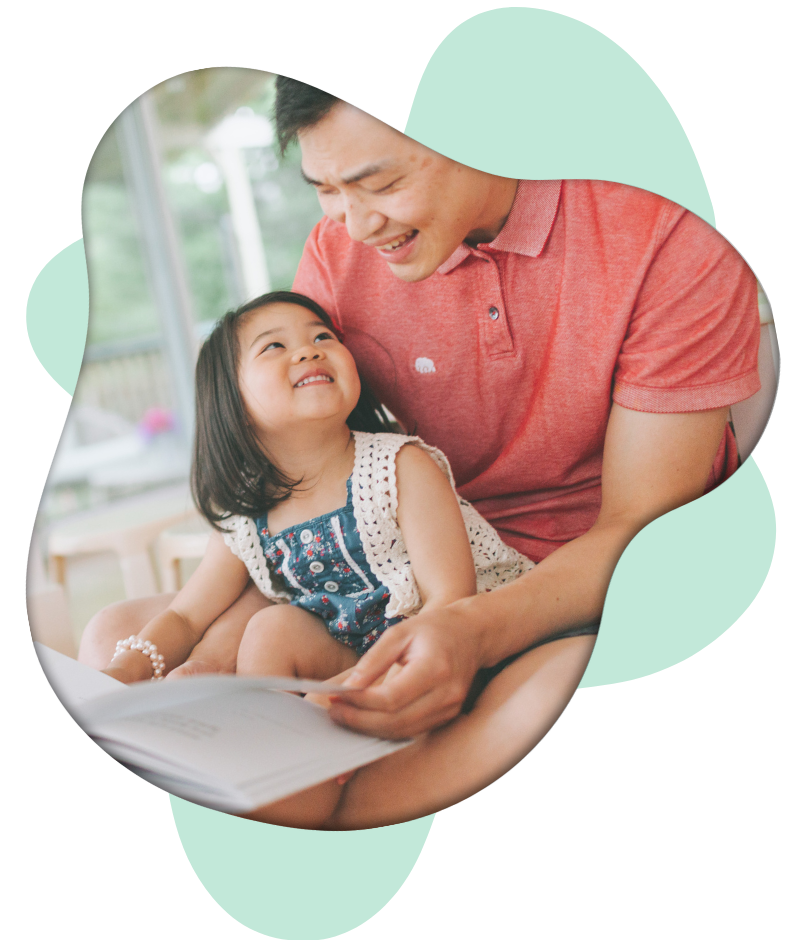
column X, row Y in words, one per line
column 408, row 203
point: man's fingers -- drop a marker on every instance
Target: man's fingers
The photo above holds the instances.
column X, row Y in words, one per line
column 414, row 681
column 401, row 712
column 421, row 716
column 376, row 661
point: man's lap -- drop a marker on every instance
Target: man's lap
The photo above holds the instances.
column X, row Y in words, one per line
column 485, row 676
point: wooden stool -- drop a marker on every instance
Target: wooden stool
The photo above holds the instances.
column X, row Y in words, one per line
column 47, row 608
column 128, row 530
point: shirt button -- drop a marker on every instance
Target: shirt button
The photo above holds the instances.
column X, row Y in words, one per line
column 306, row 536
column 316, row 567
column 493, row 311
column 331, row 586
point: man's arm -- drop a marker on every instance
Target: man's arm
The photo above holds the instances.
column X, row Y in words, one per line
column 652, row 463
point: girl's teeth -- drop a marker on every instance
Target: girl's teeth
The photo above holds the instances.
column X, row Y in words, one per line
column 314, row 378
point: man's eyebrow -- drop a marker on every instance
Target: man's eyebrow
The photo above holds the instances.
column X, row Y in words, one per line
column 369, row 170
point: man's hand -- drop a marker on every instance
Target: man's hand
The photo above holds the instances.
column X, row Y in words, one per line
column 438, row 652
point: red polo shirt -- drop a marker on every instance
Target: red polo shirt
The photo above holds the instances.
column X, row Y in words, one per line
column 509, row 356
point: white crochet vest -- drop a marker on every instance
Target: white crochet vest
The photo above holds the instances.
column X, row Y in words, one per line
column 375, row 501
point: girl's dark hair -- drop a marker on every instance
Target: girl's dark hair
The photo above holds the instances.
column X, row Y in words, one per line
column 231, row 475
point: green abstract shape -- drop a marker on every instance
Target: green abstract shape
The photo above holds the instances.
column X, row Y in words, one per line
column 297, row 884
column 57, row 315
column 531, row 94
column 685, row 579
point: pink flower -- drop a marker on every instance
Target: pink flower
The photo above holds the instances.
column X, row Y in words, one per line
column 155, row 421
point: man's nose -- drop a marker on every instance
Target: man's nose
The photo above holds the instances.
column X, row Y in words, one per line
column 360, row 220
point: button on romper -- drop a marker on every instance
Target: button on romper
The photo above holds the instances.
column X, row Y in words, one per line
column 323, row 561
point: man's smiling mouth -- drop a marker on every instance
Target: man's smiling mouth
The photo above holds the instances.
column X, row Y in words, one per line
column 399, row 241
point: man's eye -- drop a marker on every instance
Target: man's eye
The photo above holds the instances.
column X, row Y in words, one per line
column 388, row 186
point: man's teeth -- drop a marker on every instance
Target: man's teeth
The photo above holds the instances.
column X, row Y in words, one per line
column 314, row 378
column 397, row 241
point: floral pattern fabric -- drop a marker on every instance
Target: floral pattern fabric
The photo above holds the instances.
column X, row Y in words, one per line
column 322, row 562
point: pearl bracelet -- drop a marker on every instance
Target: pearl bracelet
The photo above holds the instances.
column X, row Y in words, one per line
column 147, row 649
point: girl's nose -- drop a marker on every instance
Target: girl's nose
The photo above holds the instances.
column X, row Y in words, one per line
column 308, row 352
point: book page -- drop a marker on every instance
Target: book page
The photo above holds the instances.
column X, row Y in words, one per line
column 230, row 742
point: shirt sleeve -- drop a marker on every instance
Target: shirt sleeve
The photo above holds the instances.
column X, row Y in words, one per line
column 692, row 342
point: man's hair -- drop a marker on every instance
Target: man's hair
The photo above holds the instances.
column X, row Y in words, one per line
column 231, row 474
column 297, row 107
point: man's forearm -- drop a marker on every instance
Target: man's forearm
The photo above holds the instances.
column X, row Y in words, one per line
column 567, row 589
column 652, row 464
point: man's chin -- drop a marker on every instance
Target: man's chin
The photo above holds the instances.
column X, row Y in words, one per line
column 410, row 273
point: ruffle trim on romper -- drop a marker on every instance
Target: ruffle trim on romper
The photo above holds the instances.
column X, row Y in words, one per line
column 375, row 502
column 244, row 542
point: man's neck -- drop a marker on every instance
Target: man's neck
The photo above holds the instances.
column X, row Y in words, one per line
column 499, row 205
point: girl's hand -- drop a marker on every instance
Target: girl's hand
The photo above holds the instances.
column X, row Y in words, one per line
column 130, row 667
column 194, row 667
column 118, row 674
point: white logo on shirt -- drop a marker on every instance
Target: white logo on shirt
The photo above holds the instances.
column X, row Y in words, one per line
column 424, row 365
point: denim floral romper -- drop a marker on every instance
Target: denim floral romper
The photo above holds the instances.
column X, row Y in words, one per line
column 323, row 563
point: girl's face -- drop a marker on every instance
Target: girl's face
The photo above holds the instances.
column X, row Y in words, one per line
column 293, row 370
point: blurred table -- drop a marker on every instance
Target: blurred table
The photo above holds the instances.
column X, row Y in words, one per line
column 128, row 529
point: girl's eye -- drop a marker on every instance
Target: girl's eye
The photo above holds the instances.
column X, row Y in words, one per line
column 324, row 336
column 272, row 346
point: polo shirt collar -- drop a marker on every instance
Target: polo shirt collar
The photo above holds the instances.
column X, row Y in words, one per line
column 527, row 226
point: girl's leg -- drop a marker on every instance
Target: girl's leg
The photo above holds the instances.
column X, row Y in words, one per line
column 217, row 649
column 288, row 641
column 445, row 766
column 283, row 640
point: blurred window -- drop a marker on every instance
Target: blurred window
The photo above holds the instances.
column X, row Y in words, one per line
column 240, row 214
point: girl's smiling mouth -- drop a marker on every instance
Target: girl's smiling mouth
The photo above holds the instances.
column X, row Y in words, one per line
column 311, row 378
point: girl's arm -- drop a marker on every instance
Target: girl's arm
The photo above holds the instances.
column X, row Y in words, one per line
column 218, row 581
column 440, row 555
column 433, row 530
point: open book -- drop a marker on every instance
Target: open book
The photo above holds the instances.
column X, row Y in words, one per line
column 226, row 742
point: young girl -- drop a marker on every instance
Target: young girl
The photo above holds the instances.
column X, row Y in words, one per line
column 344, row 527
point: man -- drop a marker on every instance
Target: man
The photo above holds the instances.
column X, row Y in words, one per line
column 498, row 320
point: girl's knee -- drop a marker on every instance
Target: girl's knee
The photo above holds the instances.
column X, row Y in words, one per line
column 273, row 620
column 270, row 628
